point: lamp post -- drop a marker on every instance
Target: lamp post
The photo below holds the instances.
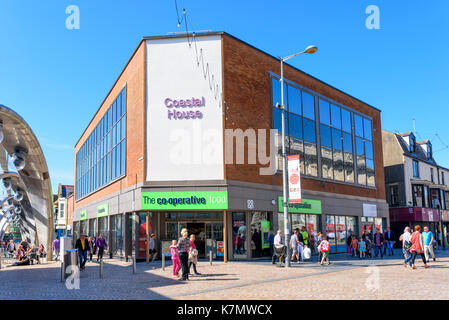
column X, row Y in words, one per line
column 310, row 50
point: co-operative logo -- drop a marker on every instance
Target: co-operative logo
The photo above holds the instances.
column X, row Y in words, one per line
column 193, row 200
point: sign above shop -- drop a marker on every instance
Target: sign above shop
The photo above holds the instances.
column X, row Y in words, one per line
column 83, row 215
column 369, row 210
column 195, row 200
column 306, row 206
column 294, row 179
column 185, row 103
column 103, row 210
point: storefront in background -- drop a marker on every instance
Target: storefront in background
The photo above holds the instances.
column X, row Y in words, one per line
column 445, row 227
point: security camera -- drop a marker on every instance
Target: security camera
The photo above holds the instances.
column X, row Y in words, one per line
column 18, row 158
column 7, row 183
column 18, row 196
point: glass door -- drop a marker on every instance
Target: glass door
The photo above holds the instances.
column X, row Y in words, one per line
column 214, row 239
column 199, row 230
column 239, row 235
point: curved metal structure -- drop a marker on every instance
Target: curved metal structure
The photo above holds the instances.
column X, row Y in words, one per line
column 33, row 178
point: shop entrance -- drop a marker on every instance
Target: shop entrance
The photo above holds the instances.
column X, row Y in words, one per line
column 199, row 230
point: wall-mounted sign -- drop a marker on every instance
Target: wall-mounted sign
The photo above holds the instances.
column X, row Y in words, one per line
column 306, row 206
column 250, row 204
column 83, row 215
column 369, row 210
column 294, row 179
column 195, row 200
column 174, row 106
column 103, row 210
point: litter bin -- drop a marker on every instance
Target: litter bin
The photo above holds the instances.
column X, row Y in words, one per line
column 70, row 258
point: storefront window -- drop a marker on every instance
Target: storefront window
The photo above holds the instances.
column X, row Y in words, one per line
column 330, row 232
column 351, row 226
column 76, row 231
column 83, row 227
column 116, row 234
column 143, row 234
column 341, row 233
column 93, row 227
column 239, row 235
column 258, row 247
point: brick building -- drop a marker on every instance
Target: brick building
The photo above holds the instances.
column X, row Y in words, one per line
column 164, row 145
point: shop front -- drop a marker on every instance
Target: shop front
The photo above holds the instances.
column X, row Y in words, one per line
column 445, row 227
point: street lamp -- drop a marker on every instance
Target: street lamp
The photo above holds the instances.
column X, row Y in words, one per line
column 309, row 50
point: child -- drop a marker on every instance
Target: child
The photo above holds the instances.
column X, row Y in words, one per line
column 354, row 245
column 175, row 257
column 324, row 248
column 362, row 248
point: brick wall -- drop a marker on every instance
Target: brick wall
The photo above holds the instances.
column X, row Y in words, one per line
column 134, row 76
column 247, row 96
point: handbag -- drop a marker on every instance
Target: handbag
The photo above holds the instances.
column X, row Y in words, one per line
column 307, row 253
column 193, row 254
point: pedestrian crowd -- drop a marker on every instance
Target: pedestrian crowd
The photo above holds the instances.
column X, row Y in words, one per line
column 23, row 252
column 87, row 247
column 417, row 243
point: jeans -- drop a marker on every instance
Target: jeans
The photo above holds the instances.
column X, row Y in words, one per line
column 100, row 253
column 414, row 254
column 378, row 249
column 83, row 258
column 409, row 257
column 390, row 247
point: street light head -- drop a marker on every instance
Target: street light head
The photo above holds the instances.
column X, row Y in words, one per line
column 311, row 49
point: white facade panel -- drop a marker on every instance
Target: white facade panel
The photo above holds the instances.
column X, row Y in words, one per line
column 184, row 113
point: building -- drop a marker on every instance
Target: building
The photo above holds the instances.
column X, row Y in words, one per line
column 417, row 188
column 70, row 207
column 60, row 209
column 162, row 145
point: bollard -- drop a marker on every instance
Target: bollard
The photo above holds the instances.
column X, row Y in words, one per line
column 62, row 271
column 210, row 257
column 101, row 269
column 134, row 265
column 163, row 262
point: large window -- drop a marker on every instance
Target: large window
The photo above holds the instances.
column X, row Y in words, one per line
column 418, row 195
column 340, row 130
column 102, row 157
column 394, row 196
column 415, row 169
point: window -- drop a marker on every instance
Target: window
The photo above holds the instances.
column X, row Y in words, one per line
column 394, row 196
column 431, row 175
column 102, row 157
column 418, row 196
column 446, row 200
column 429, row 150
column 340, row 129
column 61, row 209
column 412, row 143
column 415, row 169
column 442, row 178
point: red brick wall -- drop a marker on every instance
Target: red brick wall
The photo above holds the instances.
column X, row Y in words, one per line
column 134, row 76
column 247, row 96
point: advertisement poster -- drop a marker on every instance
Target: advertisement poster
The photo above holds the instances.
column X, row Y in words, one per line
column 220, row 248
column 165, row 246
column 294, row 179
column 265, row 233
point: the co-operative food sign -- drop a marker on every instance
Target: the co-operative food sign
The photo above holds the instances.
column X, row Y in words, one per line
column 195, row 200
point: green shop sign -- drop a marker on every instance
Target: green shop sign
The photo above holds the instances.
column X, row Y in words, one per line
column 103, row 210
column 83, row 215
column 201, row 200
column 306, row 206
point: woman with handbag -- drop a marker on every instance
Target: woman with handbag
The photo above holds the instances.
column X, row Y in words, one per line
column 193, row 256
column 184, row 248
column 417, row 247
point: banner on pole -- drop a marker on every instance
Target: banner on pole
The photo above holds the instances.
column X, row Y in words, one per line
column 294, row 179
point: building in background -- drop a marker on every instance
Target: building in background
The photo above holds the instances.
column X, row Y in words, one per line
column 69, row 220
column 417, row 187
column 60, row 209
column 157, row 147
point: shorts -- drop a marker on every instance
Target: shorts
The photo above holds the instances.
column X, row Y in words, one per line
column 325, row 254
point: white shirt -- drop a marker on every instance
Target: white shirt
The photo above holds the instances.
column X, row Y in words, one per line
column 406, row 236
column 277, row 240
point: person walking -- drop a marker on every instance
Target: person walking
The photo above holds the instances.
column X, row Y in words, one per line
column 101, row 244
column 193, row 256
column 300, row 244
column 42, row 252
column 389, row 240
column 348, row 244
column 319, row 238
column 417, row 247
column 82, row 246
column 183, row 248
column 271, row 241
column 305, row 239
column 294, row 246
column 378, row 243
column 354, row 246
column 324, row 248
column 94, row 243
column 56, row 247
column 362, row 248
column 175, row 257
column 152, row 247
column 428, row 241
column 277, row 243
column 406, row 245
column 91, row 248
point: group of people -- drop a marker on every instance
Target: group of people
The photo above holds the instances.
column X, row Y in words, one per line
column 88, row 246
column 184, row 255
column 24, row 252
column 417, row 243
column 362, row 247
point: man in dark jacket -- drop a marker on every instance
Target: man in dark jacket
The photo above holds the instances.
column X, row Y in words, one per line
column 82, row 245
column 389, row 240
column 378, row 243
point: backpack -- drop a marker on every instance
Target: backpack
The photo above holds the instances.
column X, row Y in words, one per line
column 407, row 245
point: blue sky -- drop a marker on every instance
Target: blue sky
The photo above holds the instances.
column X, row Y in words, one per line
column 56, row 78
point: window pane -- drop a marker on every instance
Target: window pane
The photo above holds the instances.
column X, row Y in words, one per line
column 277, row 119
column 309, row 130
column 124, row 100
column 368, row 130
column 124, row 126
column 361, row 175
column 113, row 164
column 347, row 142
column 360, row 146
column 310, row 158
column 276, row 91
column 340, row 234
column 346, row 120
column 349, row 166
column 324, row 112
column 308, row 105
column 294, row 100
column 114, row 112
column 295, row 126
column 338, row 165
column 337, row 142
column 326, row 163
column 326, row 139
column 336, row 116
column 297, row 147
column 330, row 231
column 370, row 177
column 358, row 123
column 123, row 158
column 369, row 150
